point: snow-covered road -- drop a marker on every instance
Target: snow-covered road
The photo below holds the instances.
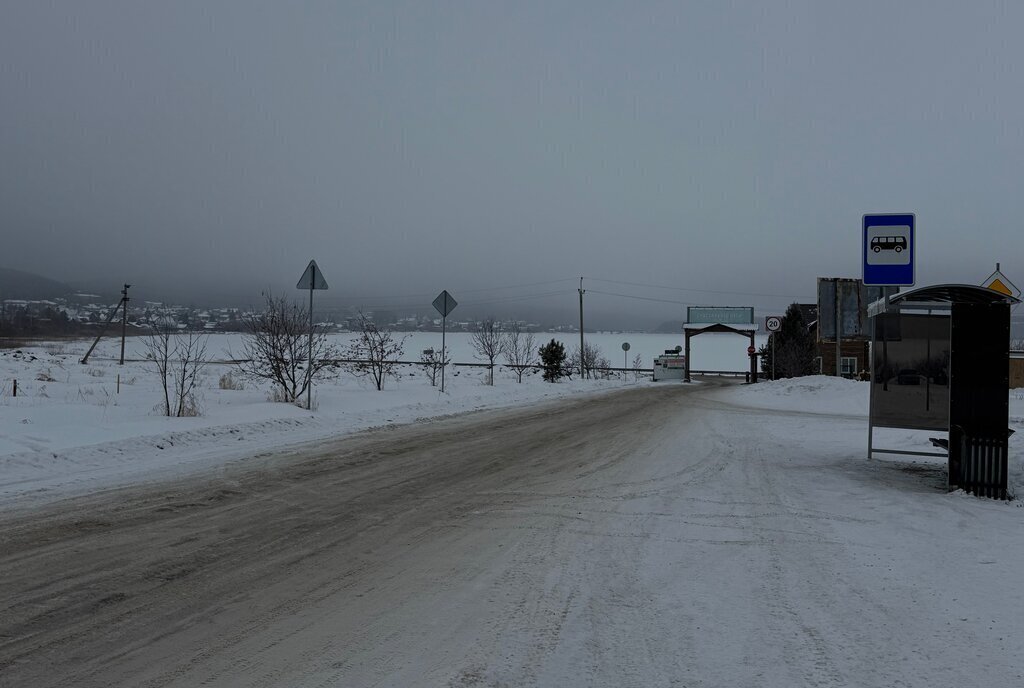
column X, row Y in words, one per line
column 655, row 536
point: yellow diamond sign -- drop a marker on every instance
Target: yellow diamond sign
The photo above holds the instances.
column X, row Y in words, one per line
column 997, row 281
column 997, row 285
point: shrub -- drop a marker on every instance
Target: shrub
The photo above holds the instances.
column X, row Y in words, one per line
column 229, row 381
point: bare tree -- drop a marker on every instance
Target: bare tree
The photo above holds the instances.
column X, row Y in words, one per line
column 520, row 350
column 1017, row 345
column 593, row 361
column 637, row 362
column 374, row 353
column 488, row 344
column 275, row 347
column 158, row 350
column 432, row 363
column 178, row 358
column 190, row 355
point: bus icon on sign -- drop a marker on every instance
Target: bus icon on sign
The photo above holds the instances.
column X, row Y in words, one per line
column 889, row 243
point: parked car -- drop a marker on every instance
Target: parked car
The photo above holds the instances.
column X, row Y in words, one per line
column 908, row 376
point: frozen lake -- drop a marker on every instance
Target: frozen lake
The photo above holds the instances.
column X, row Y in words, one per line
column 726, row 352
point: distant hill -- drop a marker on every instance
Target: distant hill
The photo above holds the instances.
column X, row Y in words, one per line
column 16, row 284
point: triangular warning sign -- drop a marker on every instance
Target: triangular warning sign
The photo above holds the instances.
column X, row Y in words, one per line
column 312, row 278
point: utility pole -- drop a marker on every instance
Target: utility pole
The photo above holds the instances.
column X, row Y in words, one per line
column 124, row 319
column 123, row 304
column 582, row 291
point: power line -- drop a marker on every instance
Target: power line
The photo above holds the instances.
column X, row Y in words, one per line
column 504, row 299
column 509, row 299
column 416, row 301
column 699, row 291
column 641, row 298
column 465, row 291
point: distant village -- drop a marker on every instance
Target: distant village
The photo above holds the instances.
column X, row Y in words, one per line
column 82, row 313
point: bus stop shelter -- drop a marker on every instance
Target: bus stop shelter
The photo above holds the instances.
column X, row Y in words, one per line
column 940, row 361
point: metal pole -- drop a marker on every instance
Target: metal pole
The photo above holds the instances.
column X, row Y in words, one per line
column 871, row 381
column 444, row 320
column 581, row 328
column 124, row 319
column 927, row 366
column 309, row 362
column 772, row 337
column 839, row 330
column 879, row 322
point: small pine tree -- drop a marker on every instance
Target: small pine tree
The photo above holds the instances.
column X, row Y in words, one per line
column 552, row 357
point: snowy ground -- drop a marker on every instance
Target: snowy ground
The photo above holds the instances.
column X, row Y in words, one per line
column 666, row 534
column 70, row 430
column 828, row 395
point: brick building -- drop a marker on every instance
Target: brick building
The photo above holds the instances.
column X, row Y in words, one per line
column 855, row 357
column 1017, row 370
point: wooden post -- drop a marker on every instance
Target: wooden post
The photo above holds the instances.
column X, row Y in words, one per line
column 686, row 340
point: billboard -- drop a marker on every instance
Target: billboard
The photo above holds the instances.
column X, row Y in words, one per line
column 854, row 298
column 723, row 315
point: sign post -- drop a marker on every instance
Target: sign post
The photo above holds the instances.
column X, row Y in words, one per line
column 444, row 304
column 625, row 348
column 311, row 279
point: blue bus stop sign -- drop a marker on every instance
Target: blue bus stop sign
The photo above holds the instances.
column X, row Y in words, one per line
column 888, row 250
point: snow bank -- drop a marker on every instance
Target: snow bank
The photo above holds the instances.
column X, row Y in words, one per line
column 812, row 394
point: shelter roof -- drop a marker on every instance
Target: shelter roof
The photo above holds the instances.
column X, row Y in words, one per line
column 941, row 297
column 953, row 293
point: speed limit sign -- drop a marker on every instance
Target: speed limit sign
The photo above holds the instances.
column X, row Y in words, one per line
column 773, row 323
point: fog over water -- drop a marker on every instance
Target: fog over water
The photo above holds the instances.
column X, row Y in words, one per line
column 670, row 153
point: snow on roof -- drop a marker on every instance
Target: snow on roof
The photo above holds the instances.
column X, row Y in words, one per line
column 744, row 327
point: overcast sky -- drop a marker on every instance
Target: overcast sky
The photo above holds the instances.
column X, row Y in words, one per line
column 411, row 147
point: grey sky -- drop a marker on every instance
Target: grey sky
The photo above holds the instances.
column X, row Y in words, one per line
column 411, row 147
